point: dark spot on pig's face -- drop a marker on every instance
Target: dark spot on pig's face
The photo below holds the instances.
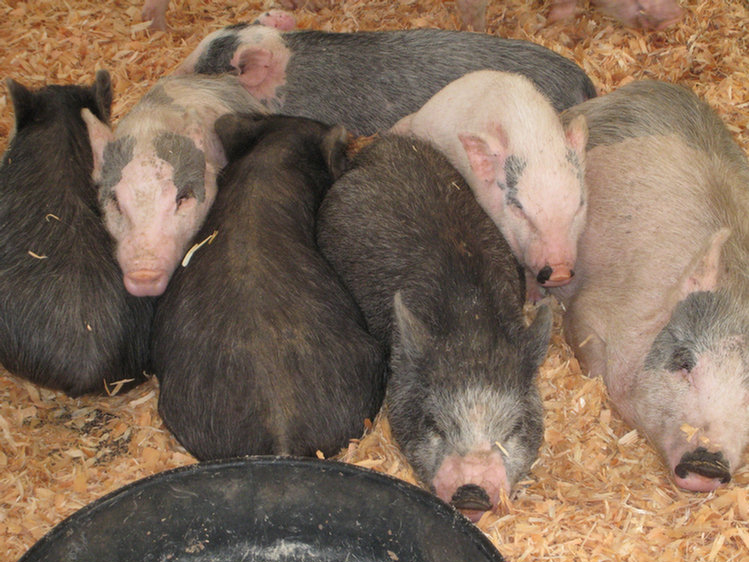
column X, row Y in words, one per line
column 514, row 166
column 117, row 155
column 217, row 58
column 574, row 161
column 682, row 360
column 188, row 162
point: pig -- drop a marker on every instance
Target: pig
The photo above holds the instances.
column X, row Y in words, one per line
column 660, row 305
column 155, row 11
column 441, row 290
column 257, row 346
column 66, row 322
column 525, row 169
column 367, row 81
column 157, row 172
column 647, row 14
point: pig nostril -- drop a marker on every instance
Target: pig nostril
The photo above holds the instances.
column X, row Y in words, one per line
column 471, row 496
column 544, row 275
column 707, row 464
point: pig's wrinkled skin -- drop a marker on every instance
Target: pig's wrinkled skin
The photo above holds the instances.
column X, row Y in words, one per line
column 65, row 320
column 647, row 14
column 525, row 169
column 660, row 305
column 157, row 172
column 440, row 288
column 367, row 81
column 257, row 346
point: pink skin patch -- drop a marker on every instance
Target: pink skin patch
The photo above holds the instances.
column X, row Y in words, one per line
column 484, row 468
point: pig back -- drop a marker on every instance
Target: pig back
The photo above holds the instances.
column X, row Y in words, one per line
column 65, row 319
column 403, row 218
column 651, row 107
column 294, row 372
column 370, row 80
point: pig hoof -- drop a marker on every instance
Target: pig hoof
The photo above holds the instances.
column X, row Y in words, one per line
column 701, row 470
column 471, row 497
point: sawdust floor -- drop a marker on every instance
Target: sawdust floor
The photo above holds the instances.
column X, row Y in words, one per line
column 598, row 491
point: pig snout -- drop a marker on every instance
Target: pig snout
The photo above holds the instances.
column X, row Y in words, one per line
column 555, row 275
column 470, row 497
column 146, row 282
column 702, row 471
column 472, row 483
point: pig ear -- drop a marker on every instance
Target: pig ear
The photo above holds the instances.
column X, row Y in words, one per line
column 238, row 132
column 537, row 337
column 704, row 271
column 577, row 134
column 412, row 335
column 254, row 66
column 486, row 154
column 99, row 135
column 403, row 127
column 102, row 91
column 334, row 147
column 23, row 102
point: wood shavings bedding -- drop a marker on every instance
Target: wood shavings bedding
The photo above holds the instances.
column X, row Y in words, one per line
column 598, row 491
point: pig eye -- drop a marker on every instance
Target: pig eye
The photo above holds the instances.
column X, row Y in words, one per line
column 682, row 359
column 112, row 198
column 183, row 196
column 430, row 424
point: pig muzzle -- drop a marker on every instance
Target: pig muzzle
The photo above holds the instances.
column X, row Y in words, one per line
column 471, row 497
column 702, row 471
column 146, row 282
column 554, row 276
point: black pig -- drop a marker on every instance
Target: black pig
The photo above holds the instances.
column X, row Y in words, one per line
column 440, row 288
column 257, row 346
column 66, row 321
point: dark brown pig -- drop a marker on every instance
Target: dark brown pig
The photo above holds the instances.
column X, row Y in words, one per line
column 660, row 305
column 257, row 346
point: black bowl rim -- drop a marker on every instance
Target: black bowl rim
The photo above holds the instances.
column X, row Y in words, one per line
column 419, row 494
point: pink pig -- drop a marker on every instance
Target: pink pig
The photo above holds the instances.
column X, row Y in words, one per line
column 525, row 169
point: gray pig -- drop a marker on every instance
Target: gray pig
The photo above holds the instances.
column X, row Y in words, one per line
column 440, row 288
column 157, row 172
column 257, row 346
column 369, row 80
column 660, row 305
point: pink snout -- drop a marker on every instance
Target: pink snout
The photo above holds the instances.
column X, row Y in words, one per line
column 146, row 282
column 473, row 483
column 555, row 275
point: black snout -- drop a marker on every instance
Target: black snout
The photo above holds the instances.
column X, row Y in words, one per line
column 471, row 496
column 703, row 462
column 544, row 275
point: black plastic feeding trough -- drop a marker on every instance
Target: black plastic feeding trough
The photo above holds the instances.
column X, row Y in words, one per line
column 266, row 509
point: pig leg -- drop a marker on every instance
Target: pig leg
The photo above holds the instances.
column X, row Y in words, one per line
column 279, row 19
column 562, row 10
column 155, row 10
column 473, row 13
